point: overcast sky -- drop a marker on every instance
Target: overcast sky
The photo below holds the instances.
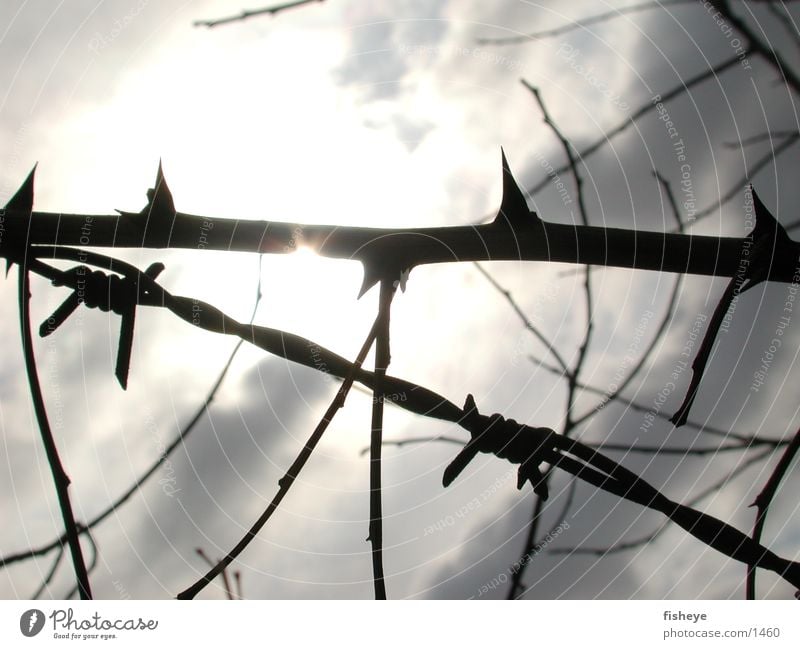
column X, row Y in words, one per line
column 382, row 114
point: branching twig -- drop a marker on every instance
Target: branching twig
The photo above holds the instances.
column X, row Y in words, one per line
column 662, row 327
column 286, row 482
column 639, row 407
column 645, row 108
column 134, row 488
column 768, row 158
column 649, row 538
column 226, row 582
column 763, row 501
column 754, row 43
column 572, row 375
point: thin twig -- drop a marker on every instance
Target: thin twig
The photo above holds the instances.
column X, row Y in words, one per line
column 92, row 564
column 521, row 314
column 50, row 574
column 662, row 327
column 286, row 482
column 581, row 24
column 639, row 407
column 767, row 136
column 645, row 108
column 652, row 536
column 737, row 186
column 614, row 448
column 763, row 501
column 137, row 484
column 783, row 16
column 60, row 477
column 226, row 583
column 572, row 375
column 754, row 43
column 244, row 15
column 382, row 359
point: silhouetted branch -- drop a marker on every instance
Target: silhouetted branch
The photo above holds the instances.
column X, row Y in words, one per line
column 237, row 577
column 572, row 375
column 645, row 108
column 634, row 405
column 521, row 314
column 134, row 488
column 756, row 255
column 382, row 358
column 50, row 573
column 763, row 501
column 60, row 477
column 244, row 15
column 768, row 158
column 758, row 46
column 662, row 327
column 767, row 136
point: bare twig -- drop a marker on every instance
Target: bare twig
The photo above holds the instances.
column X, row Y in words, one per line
column 788, row 141
column 645, row 108
column 286, row 482
column 615, row 448
column 767, row 136
column 382, row 359
column 60, row 477
column 754, row 43
column 50, row 574
column 521, row 314
column 581, row 24
column 179, row 439
column 780, row 12
column 245, row 14
column 572, row 375
column 639, row 407
column 662, row 327
column 763, row 501
column 652, row 536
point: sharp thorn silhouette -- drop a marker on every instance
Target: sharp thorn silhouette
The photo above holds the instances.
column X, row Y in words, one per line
column 371, row 278
column 22, row 202
column 513, row 206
